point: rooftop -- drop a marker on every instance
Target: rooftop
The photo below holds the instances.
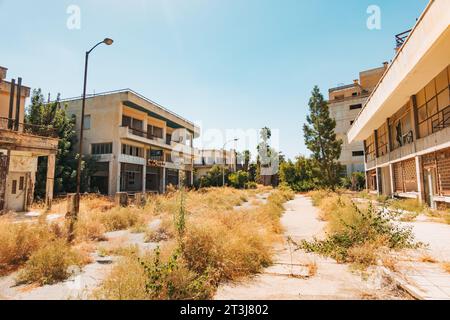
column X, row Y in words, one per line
column 127, row 90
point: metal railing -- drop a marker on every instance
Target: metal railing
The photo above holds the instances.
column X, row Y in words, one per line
column 141, row 133
column 401, row 38
column 27, row 128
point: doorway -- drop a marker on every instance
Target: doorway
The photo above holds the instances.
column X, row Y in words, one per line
column 16, row 191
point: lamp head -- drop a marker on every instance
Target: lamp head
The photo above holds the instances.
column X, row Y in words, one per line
column 108, row 41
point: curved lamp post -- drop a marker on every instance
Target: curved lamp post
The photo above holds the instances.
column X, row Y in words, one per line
column 108, row 42
column 224, row 157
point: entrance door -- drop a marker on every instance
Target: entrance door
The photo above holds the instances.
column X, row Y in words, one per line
column 430, row 185
column 15, row 192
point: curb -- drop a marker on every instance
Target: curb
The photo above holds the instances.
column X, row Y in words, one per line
column 400, row 282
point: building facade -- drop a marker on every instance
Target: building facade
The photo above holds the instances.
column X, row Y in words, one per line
column 405, row 124
column 206, row 159
column 139, row 145
column 20, row 147
column 345, row 102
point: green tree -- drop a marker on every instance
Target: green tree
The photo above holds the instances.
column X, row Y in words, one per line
column 213, row 178
column 53, row 115
column 299, row 175
column 320, row 138
column 238, row 179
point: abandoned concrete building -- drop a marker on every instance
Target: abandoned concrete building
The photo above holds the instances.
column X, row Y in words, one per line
column 20, row 146
column 405, row 124
column 205, row 160
column 345, row 102
column 139, row 145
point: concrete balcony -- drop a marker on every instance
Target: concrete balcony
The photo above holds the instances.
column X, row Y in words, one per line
column 25, row 141
column 141, row 136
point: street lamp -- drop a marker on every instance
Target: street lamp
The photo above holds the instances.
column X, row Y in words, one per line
column 108, row 42
column 224, row 157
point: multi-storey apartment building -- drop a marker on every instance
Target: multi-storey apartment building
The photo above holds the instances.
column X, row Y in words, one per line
column 139, row 145
column 345, row 102
column 405, row 124
column 206, row 159
column 20, row 147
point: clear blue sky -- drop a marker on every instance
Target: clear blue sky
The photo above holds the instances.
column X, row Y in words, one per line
column 229, row 64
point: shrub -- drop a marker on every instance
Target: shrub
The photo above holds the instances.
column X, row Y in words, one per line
column 251, row 185
column 18, row 241
column 89, row 229
column 357, row 233
column 121, row 218
column 49, row 264
column 238, row 179
column 127, row 281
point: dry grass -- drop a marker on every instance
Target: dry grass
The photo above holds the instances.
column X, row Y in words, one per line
column 409, row 205
column 446, row 266
column 127, row 281
column 312, row 268
column 19, row 241
column 427, row 259
column 50, row 264
column 218, row 244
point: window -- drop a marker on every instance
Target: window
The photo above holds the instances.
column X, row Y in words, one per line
column 433, row 103
column 132, row 151
column 87, row 122
column 355, row 94
column 14, row 187
column 131, row 177
column 155, row 132
column 356, row 106
column 358, row 153
column 21, row 183
column 382, row 141
column 168, row 138
column 101, row 148
column 401, row 127
column 135, row 125
column 370, row 148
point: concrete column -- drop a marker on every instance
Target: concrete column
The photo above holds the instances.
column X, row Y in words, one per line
column 163, row 180
column 144, row 175
column 378, row 176
column 50, row 181
column 391, row 178
column 419, row 176
column 117, row 176
column 415, row 117
column 111, row 186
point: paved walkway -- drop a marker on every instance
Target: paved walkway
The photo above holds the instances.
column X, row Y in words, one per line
column 422, row 270
column 302, row 276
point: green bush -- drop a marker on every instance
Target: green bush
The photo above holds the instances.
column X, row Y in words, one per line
column 238, row 179
column 251, row 185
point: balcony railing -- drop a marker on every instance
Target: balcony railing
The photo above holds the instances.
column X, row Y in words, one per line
column 27, row 128
column 141, row 133
column 401, row 38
